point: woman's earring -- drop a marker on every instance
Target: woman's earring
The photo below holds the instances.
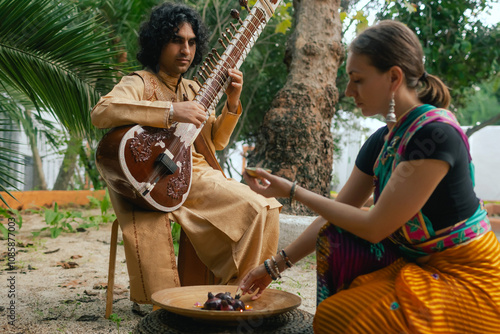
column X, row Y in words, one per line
column 391, row 115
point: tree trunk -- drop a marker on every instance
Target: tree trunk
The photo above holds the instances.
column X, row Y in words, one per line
column 68, row 165
column 88, row 161
column 295, row 140
column 39, row 182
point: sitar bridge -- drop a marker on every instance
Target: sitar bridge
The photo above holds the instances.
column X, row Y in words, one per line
column 168, row 167
column 167, row 162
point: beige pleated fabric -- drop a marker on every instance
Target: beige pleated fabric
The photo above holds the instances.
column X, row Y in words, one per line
column 456, row 291
column 232, row 228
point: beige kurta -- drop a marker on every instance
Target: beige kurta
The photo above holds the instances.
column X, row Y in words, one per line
column 231, row 228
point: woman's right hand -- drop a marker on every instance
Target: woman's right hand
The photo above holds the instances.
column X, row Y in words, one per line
column 268, row 185
column 256, row 279
column 189, row 112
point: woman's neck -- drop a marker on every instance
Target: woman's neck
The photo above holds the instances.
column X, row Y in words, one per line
column 404, row 102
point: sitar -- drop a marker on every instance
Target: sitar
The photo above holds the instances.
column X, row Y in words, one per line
column 151, row 167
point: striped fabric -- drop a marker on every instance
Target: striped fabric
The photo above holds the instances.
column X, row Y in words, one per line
column 454, row 291
column 342, row 256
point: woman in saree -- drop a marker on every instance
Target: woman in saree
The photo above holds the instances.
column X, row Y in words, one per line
column 423, row 258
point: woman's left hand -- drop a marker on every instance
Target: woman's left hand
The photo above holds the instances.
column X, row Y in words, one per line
column 233, row 90
column 268, row 185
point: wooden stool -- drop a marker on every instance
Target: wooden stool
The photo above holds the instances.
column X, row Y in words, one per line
column 190, row 268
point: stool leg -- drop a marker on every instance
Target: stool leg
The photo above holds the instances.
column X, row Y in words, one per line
column 111, row 269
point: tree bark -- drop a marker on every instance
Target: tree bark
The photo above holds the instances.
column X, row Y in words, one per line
column 295, row 140
column 39, row 182
column 68, row 165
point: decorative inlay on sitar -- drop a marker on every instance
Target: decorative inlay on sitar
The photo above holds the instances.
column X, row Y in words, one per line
column 151, row 167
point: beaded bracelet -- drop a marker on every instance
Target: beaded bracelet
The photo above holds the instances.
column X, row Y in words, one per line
column 268, row 269
column 288, row 263
column 276, row 275
column 277, row 269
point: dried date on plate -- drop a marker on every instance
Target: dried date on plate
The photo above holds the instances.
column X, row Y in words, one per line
column 223, row 301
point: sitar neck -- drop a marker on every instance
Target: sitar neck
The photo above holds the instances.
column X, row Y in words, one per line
column 213, row 88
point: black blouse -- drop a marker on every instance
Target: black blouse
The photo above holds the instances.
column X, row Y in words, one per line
column 454, row 198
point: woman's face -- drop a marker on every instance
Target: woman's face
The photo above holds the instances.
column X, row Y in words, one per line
column 370, row 88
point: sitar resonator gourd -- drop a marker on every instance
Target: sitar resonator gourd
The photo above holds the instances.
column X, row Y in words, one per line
column 151, row 167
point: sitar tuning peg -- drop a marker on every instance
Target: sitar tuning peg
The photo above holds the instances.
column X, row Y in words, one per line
column 192, row 87
column 229, row 33
column 200, row 73
column 204, row 70
column 222, row 43
column 226, row 38
column 207, row 66
column 244, row 3
column 233, row 26
column 209, row 59
column 236, row 15
column 214, row 52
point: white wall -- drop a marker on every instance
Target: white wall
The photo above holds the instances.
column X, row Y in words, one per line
column 485, row 151
column 352, row 140
column 51, row 160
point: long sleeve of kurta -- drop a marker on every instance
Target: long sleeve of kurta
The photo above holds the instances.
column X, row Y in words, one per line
column 125, row 105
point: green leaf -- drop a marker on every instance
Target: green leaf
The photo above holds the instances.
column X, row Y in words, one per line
column 283, row 26
column 343, row 16
column 94, row 202
column 55, row 232
column 5, row 232
column 360, row 16
column 412, row 8
column 362, row 25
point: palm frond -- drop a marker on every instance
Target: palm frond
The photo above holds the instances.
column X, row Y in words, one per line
column 49, row 52
column 10, row 158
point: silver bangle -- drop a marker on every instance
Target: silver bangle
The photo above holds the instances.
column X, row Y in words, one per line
column 171, row 114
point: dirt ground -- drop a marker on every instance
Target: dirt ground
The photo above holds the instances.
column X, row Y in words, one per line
column 45, row 297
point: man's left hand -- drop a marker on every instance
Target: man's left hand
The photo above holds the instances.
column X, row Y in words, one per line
column 233, row 90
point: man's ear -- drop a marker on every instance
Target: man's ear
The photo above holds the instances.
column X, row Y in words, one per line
column 397, row 77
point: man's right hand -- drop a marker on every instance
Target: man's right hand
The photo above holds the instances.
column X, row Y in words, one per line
column 189, row 112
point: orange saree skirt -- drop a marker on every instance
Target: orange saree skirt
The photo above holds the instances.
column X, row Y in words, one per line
column 454, row 291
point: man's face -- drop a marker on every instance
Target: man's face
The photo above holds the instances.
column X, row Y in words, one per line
column 178, row 54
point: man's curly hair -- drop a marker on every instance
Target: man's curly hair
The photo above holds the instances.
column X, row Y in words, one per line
column 162, row 26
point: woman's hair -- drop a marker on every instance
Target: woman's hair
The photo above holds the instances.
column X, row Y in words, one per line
column 391, row 43
column 162, row 26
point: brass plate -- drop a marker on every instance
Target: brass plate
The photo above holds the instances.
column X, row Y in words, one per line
column 182, row 300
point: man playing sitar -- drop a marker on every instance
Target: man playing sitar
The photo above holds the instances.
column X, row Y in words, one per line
column 231, row 228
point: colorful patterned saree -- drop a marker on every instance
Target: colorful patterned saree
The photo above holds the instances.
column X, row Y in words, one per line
column 387, row 287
